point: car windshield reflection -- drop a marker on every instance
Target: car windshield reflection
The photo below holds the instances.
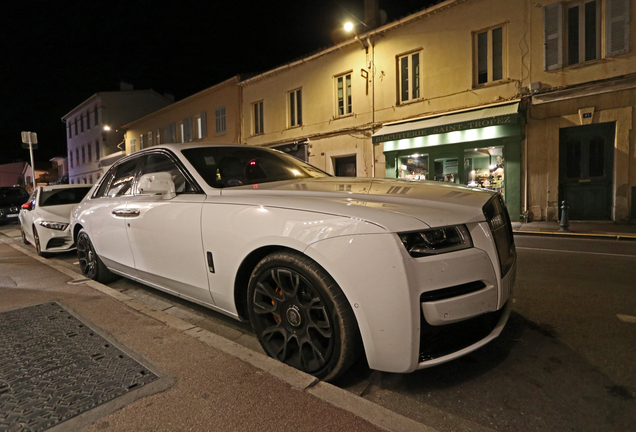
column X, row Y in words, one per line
column 223, row 167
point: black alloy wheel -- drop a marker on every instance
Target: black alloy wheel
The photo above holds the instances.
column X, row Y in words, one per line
column 91, row 265
column 300, row 315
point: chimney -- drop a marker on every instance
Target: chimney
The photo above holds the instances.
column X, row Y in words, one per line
column 372, row 14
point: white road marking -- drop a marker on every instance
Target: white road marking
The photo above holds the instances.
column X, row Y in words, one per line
column 627, row 318
column 577, row 252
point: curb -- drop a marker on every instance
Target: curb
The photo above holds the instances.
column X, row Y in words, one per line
column 370, row 411
column 573, row 234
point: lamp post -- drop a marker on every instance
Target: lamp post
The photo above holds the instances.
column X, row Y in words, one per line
column 30, row 141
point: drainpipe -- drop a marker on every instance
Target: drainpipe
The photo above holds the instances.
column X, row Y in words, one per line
column 371, row 66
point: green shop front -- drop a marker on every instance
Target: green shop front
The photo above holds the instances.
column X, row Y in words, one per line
column 479, row 148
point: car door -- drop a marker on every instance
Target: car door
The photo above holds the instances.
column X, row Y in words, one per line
column 165, row 232
column 108, row 217
column 27, row 216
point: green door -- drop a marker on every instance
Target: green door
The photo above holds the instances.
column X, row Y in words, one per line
column 586, row 161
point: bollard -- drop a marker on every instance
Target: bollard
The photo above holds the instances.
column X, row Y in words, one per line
column 565, row 221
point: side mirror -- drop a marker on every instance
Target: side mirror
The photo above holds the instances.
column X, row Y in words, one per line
column 159, row 183
column 27, row 205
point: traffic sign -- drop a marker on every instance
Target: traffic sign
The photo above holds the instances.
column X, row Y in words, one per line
column 29, row 138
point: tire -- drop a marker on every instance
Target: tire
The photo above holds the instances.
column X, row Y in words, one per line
column 91, row 265
column 24, row 240
column 38, row 247
column 301, row 317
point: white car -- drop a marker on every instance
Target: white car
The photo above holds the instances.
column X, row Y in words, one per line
column 325, row 268
column 44, row 218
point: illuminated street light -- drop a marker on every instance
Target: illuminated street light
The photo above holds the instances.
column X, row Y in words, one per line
column 348, row 26
column 106, row 128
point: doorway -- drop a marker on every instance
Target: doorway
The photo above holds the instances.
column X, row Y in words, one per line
column 586, row 162
column 345, row 166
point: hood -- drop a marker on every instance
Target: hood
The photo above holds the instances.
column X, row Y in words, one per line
column 393, row 204
column 57, row 213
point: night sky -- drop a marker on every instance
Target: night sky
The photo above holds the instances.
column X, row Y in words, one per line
column 54, row 54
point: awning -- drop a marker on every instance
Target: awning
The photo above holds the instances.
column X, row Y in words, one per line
column 481, row 118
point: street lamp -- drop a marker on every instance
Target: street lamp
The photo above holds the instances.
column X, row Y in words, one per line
column 350, row 27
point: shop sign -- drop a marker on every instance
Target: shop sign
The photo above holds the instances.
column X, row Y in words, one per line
column 454, row 127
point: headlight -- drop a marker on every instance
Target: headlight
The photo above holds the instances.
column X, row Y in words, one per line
column 54, row 225
column 437, row 240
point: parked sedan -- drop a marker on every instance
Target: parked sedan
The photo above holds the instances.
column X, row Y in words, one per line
column 44, row 218
column 325, row 268
column 11, row 198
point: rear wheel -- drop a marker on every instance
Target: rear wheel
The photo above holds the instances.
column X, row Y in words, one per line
column 91, row 265
column 38, row 247
column 301, row 316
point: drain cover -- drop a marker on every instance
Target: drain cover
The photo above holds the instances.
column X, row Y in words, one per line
column 54, row 367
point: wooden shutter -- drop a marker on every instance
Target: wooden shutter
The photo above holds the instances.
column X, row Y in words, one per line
column 552, row 36
column 204, row 124
column 617, row 27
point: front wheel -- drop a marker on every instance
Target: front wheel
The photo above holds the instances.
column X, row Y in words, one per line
column 91, row 265
column 38, row 246
column 301, row 317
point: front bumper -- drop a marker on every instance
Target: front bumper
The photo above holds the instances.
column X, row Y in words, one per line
column 54, row 240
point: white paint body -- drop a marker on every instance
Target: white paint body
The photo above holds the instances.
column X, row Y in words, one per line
column 347, row 225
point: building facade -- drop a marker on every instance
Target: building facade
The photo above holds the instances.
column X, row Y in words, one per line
column 94, row 128
column 212, row 115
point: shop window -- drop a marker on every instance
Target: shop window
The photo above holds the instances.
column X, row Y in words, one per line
column 343, row 95
column 484, row 168
column 489, row 61
column 413, row 167
column 294, row 108
column 409, row 76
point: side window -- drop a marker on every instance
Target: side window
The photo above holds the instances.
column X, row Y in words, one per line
column 121, row 183
column 160, row 162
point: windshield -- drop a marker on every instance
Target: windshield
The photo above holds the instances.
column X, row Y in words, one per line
column 223, row 167
column 63, row 196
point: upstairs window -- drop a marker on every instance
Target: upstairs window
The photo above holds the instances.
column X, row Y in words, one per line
column 149, row 139
column 202, row 125
column 70, row 131
column 77, row 157
column 294, row 108
column 343, row 95
column 257, row 119
column 220, row 122
column 573, row 31
column 95, row 117
column 96, row 150
column 489, row 61
column 141, row 141
column 186, row 129
column 90, row 153
column 409, row 76
column 70, row 158
column 88, row 120
column 133, row 145
column 83, row 155
column 75, row 124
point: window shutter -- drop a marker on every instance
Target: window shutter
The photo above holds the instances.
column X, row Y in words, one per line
column 204, row 124
column 552, row 36
column 617, row 27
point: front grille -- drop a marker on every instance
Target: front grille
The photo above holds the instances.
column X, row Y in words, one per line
column 439, row 341
column 451, row 292
column 501, row 228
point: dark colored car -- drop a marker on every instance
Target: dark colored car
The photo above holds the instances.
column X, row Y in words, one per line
column 11, row 199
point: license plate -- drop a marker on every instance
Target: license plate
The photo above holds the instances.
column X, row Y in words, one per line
column 12, row 215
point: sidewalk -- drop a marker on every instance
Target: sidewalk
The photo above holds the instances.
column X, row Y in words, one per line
column 209, row 383
column 606, row 230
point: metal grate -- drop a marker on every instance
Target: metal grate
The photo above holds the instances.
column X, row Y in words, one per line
column 54, row 367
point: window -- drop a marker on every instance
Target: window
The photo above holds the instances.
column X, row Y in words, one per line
column 158, row 135
column 573, row 31
column 409, row 76
column 95, row 118
column 202, row 125
column 88, row 120
column 70, row 158
column 70, row 131
column 72, row 181
column 219, row 121
column 75, row 124
column 81, row 122
column 83, row 155
column 294, row 108
column 121, row 183
column 77, row 157
column 186, row 129
column 162, row 163
column 133, row 145
column 169, row 134
column 90, row 180
column 90, row 153
column 97, row 150
column 343, row 95
column 345, row 166
column 150, row 139
column 141, row 141
column 257, row 109
column 488, row 63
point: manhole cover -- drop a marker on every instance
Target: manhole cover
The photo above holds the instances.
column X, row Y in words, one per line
column 54, row 367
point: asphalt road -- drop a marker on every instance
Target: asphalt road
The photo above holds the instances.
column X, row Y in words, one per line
column 565, row 361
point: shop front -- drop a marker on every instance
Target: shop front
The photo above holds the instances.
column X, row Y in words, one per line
column 479, row 148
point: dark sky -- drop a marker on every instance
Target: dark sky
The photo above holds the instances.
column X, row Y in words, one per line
column 54, row 54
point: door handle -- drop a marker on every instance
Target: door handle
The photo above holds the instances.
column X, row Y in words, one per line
column 127, row 213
